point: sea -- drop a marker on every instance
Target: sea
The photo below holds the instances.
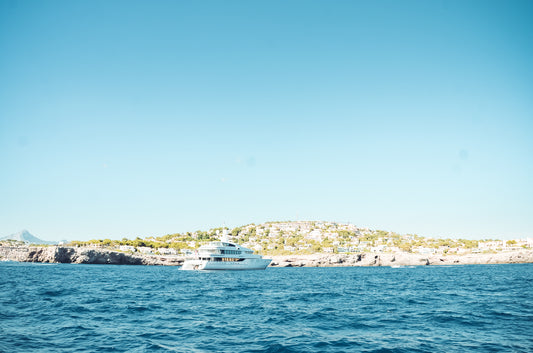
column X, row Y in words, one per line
column 109, row 308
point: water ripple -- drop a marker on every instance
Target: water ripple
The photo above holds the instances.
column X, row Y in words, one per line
column 84, row 308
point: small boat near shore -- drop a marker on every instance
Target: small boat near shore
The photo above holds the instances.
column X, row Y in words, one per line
column 224, row 255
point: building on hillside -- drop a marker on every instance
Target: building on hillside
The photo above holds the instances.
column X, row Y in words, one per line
column 523, row 242
column 126, row 248
column 167, row 251
column 305, row 228
column 144, row 249
column 287, row 228
column 331, row 235
column 315, row 235
column 491, row 245
column 423, row 250
column 346, row 249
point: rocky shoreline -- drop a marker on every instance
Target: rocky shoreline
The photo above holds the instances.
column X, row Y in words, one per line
column 88, row 255
column 82, row 255
column 400, row 259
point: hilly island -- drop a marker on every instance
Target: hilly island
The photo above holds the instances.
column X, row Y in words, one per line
column 289, row 244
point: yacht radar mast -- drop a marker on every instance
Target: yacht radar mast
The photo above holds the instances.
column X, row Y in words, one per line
column 225, row 235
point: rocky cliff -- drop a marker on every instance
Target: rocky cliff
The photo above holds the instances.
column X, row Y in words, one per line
column 81, row 255
column 86, row 255
column 400, row 259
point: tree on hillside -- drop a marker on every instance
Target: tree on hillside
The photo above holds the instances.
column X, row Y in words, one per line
column 138, row 242
column 345, row 234
column 405, row 247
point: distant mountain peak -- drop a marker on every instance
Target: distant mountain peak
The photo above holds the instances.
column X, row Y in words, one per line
column 25, row 236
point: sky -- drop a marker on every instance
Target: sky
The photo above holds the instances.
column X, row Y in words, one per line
column 145, row 118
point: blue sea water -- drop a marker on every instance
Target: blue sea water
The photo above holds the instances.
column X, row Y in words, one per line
column 106, row 308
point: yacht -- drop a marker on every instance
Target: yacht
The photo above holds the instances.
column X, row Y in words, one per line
column 224, row 255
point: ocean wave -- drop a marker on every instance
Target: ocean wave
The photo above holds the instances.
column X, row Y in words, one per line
column 71, row 308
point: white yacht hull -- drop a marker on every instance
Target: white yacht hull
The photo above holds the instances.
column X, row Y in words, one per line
column 209, row 265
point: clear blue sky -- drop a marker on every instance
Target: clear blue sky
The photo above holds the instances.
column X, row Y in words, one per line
column 138, row 118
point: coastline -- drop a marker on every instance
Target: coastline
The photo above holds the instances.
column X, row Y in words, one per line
column 400, row 259
column 82, row 255
column 89, row 255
